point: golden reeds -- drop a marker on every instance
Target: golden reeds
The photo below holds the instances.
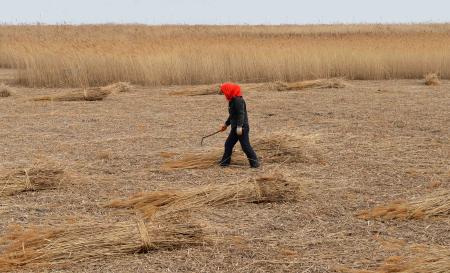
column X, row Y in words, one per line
column 53, row 246
column 269, row 188
column 31, row 179
column 273, row 148
column 422, row 259
column 5, row 91
column 91, row 94
column 319, row 83
column 432, row 79
column 435, row 204
column 95, row 55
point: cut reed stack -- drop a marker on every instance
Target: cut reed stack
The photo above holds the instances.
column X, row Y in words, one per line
column 432, row 79
column 319, row 84
column 198, row 90
column 91, row 94
column 32, row 179
column 42, row 247
column 270, row 188
column 118, row 87
column 435, row 204
column 5, row 91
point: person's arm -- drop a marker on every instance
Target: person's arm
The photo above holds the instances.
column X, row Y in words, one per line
column 228, row 122
column 240, row 114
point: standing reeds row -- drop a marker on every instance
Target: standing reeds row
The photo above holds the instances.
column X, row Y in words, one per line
column 98, row 55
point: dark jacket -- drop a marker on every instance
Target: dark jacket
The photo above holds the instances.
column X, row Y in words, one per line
column 238, row 113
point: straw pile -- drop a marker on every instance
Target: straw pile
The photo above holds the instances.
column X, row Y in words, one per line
column 197, row 90
column 274, row 148
column 89, row 242
column 432, row 79
column 424, row 259
column 32, row 179
column 118, row 87
column 270, row 188
column 320, row 84
column 91, row 94
column 4, row 91
column 435, row 204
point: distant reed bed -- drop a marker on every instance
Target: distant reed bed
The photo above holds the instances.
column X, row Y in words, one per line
column 94, row 55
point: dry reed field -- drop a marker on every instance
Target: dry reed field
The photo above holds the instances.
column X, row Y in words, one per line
column 101, row 167
column 92, row 55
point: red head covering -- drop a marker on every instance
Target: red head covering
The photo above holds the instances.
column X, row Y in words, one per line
column 231, row 90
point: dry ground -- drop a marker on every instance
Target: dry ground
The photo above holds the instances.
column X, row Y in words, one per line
column 381, row 141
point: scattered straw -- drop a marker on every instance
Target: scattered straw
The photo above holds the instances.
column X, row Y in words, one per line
column 197, row 90
column 118, row 87
column 422, row 259
column 435, row 204
column 432, row 79
column 5, row 91
column 91, row 94
column 273, row 148
column 32, row 179
column 270, row 188
column 320, row 83
column 89, row 242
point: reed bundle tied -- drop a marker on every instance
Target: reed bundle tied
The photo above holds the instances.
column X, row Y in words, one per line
column 435, row 204
column 32, row 179
column 197, row 90
column 118, row 87
column 319, row 83
column 432, row 79
column 422, row 259
column 5, row 91
column 89, row 242
column 91, row 94
column 269, row 188
column 274, row 148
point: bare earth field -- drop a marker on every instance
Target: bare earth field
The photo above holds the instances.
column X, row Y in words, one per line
column 380, row 141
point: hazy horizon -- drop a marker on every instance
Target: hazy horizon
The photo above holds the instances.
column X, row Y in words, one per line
column 232, row 12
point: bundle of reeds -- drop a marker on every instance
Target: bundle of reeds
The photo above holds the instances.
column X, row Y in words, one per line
column 273, row 148
column 269, row 188
column 435, row 204
column 432, row 79
column 118, row 87
column 5, row 91
column 32, row 179
column 89, row 242
column 422, row 259
column 197, row 90
column 319, row 83
column 91, row 94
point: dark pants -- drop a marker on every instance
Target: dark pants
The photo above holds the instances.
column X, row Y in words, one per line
column 244, row 139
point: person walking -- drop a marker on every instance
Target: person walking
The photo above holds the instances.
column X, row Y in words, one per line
column 240, row 129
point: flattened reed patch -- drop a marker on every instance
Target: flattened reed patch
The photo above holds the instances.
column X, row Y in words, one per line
column 420, row 259
column 36, row 178
column 435, row 204
column 273, row 148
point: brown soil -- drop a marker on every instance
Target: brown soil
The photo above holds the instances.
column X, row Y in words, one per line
column 380, row 141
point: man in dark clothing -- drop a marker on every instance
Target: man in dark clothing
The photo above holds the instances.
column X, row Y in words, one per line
column 240, row 129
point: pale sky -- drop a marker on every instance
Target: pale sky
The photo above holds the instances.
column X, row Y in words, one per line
column 224, row 11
